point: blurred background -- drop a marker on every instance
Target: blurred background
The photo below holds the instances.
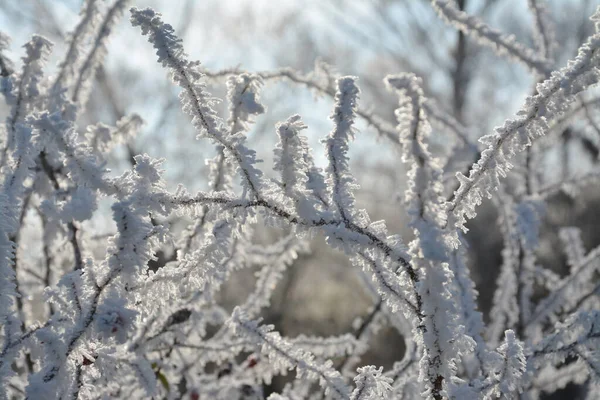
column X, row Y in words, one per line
column 321, row 294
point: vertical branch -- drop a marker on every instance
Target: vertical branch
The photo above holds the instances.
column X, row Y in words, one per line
column 543, row 34
column 11, row 206
column 96, row 54
column 343, row 117
column 459, row 75
column 6, row 68
column 444, row 335
column 89, row 17
column 26, row 90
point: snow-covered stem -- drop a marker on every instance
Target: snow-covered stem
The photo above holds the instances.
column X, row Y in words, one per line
column 149, row 318
column 581, row 332
column 551, row 100
column 339, row 178
column 271, row 273
column 445, row 120
column 5, row 63
column 282, row 355
column 569, row 290
column 382, row 127
column 569, row 186
column 195, row 100
column 505, row 308
column 488, row 36
column 26, row 89
column 423, row 200
column 511, row 372
column 543, row 34
column 293, row 160
column 11, row 203
column 96, row 55
column 243, row 96
column 89, row 19
column 371, row 384
column 444, row 275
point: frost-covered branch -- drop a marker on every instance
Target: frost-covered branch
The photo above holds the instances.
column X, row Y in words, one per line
column 552, row 98
column 95, row 56
column 282, row 355
column 85, row 26
column 195, row 100
column 543, row 35
column 486, row 35
column 145, row 310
